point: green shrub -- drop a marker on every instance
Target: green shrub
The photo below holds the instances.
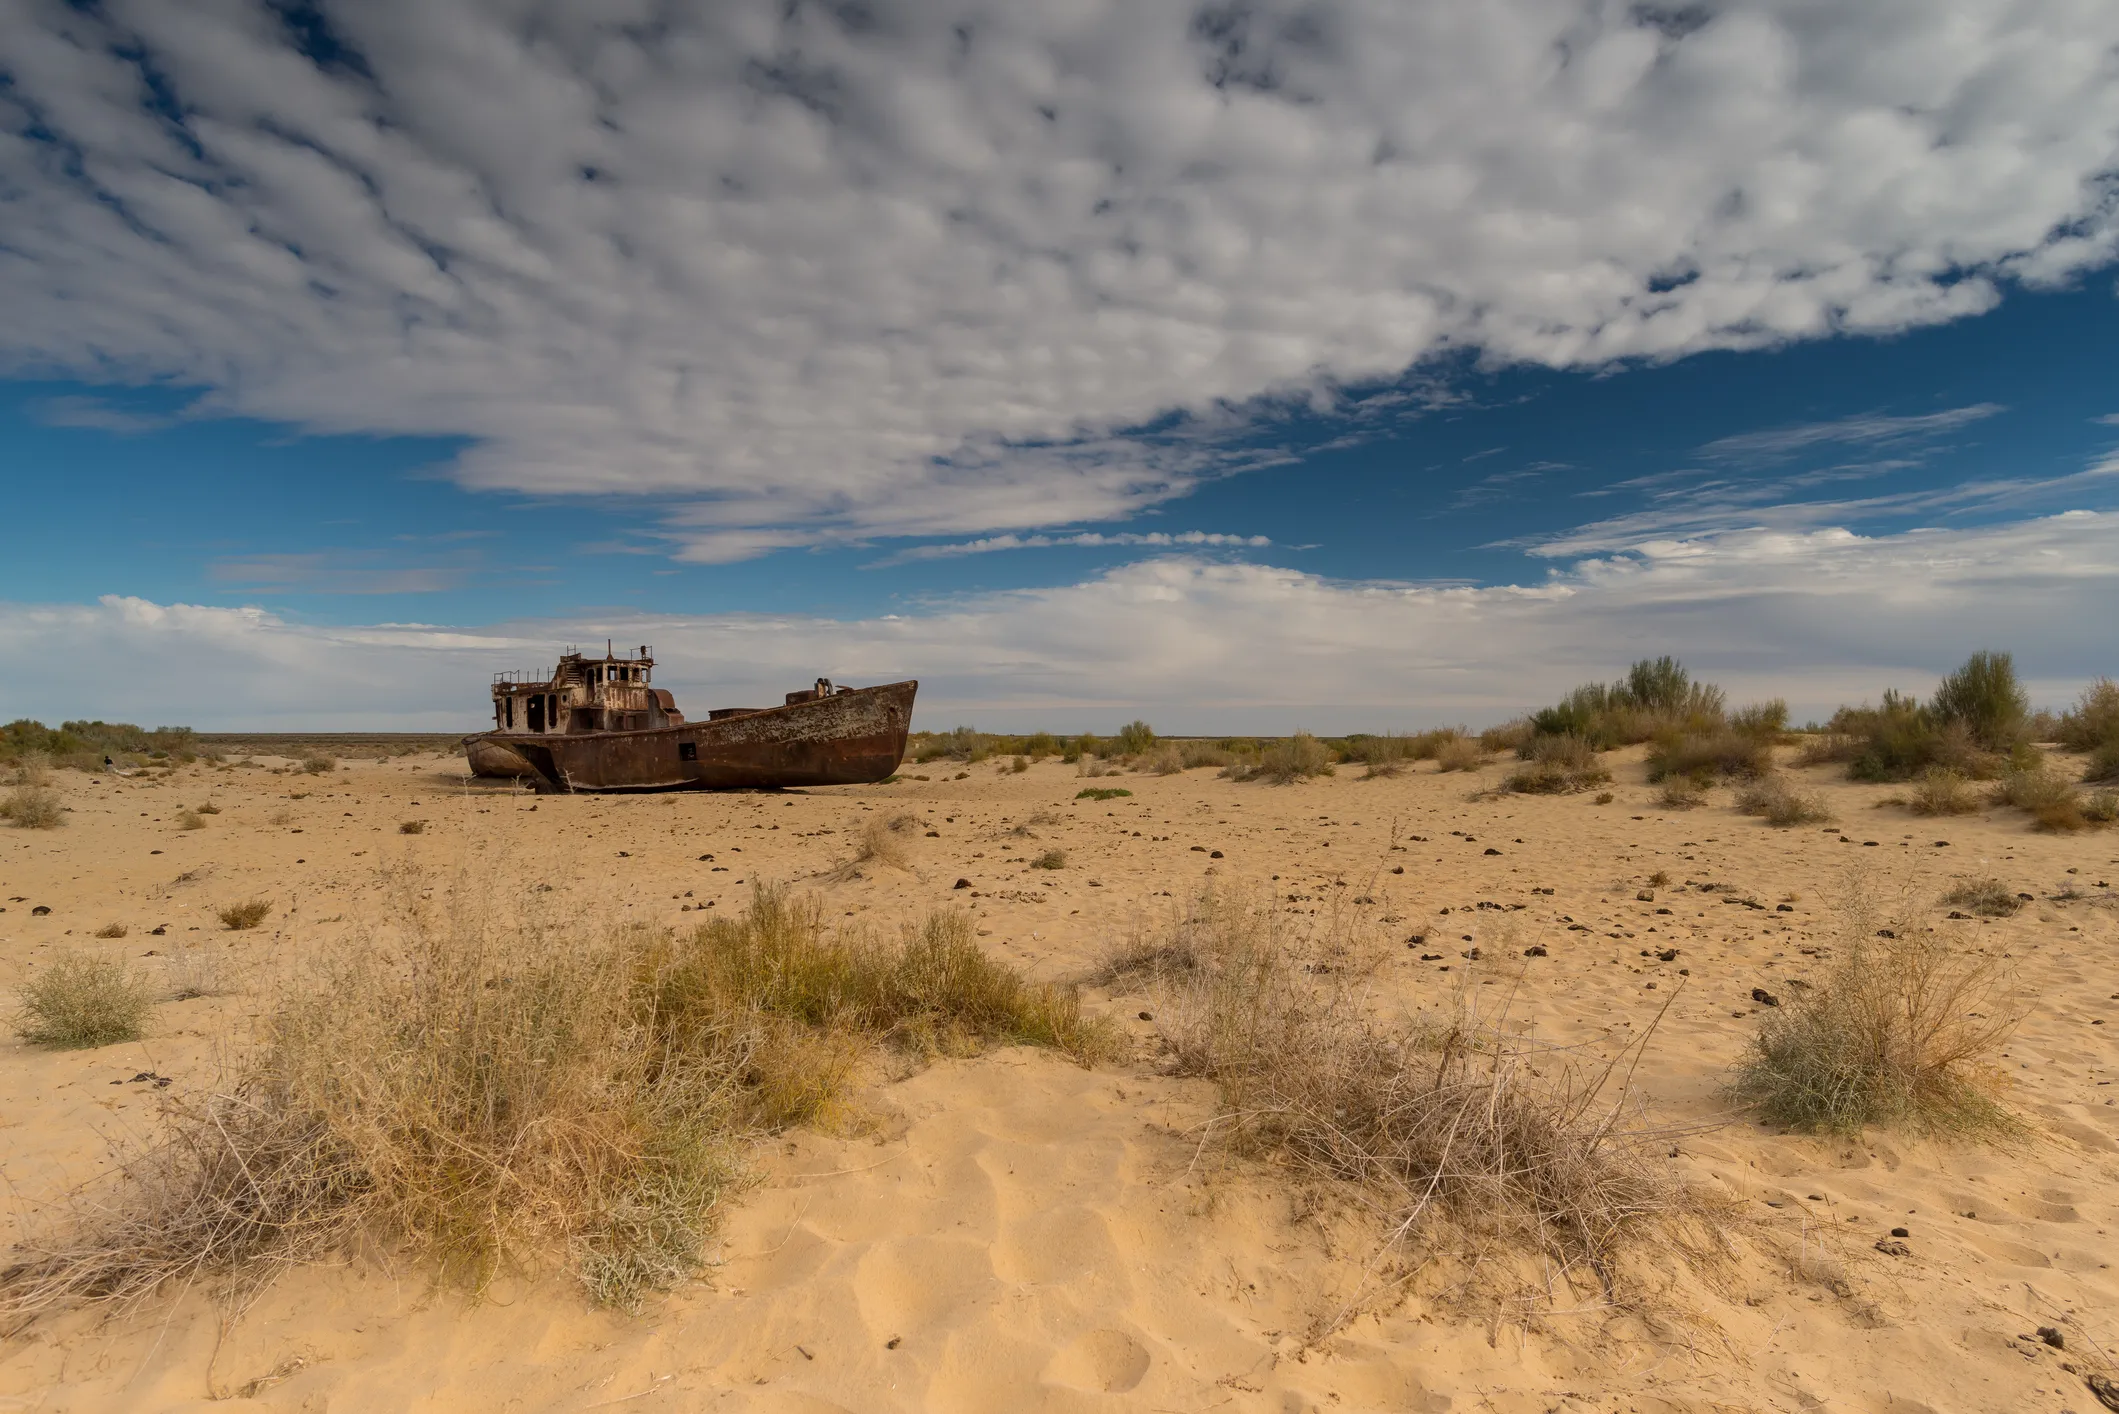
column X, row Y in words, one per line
column 1135, row 737
column 2103, row 764
column 319, row 765
column 75, row 1001
column 1984, row 698
column 2092, row 724
column 1509, row 736
column 1101, row 793
column 1299, row 757
column 1656, row 696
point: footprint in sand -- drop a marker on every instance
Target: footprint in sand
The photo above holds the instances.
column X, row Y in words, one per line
column 1110, row 1361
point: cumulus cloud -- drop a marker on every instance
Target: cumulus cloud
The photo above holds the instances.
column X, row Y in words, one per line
column 1818, row 616
column 797, row 272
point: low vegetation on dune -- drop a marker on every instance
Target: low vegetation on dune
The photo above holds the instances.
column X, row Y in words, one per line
column 1940, row 790
column 1989, row 898
column 1657, row 696
column 1976, row 724
column 76, row 1000
column 1445, row 1119
column 1780, row 804
column 1904, row 1030
column 527, row 1095
column 1300, row 757
column 1556, row 765
column 2051, row 800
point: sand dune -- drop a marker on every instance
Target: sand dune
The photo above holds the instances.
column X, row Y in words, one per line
column 1016, row 1232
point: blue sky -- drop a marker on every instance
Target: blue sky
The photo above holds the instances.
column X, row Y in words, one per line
column 1365, row 373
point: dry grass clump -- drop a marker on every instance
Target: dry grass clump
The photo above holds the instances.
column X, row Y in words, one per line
column 1557, row 765
column 1780, row 804
column 190, row 820
column 1050, row 859
column 412, row 827
column 1206, row 753
column 492, row 1096
column 319, row 765
column 883, row 841
column 1903, row 1031
column 2052, row 801
column 1455, row 1119
column 76, row 1000
column 1943, row 791
column 240, row 916
column 33, row 807
column 1166, row 760
column 1462, row 754
column 1989, row 898
column 112, row 931
column 1681, row 793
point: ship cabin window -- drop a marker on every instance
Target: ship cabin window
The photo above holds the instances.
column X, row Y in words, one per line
column 687, row 751
column 511, row 709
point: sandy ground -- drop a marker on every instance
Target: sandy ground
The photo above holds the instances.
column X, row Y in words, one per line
column 1024, row 1234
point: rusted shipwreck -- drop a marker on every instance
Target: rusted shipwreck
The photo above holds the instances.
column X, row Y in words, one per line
column 599, row 724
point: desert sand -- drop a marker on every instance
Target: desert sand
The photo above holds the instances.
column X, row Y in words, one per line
column 1020, row 1233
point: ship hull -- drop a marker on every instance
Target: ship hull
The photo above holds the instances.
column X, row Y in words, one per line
column 854, row 737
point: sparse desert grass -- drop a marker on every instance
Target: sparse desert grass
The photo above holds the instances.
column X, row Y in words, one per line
column 1462, row 754
column 190, row 820
column 238, row 917
column 1556, row 765
column 1780, row 804
column 1094, row 766
column 525, row 1095
column 2052, row 801
column 1452, row 1119
column 1205, row 753
column 319, row 765
column 2101, row 807
column 112, row 931
column 209, row 808
column 189, row 972
column 1942, row 791
column 883, row 841
column 412, row 827
column 33, row 807
column 2103, row 764
column 1050, row 859
column 1681, row 793
column 1903, row 1031
column 1297, row 758
column 1509, row 736
column 77, row 1000
column 1101, row 793
column 32, row 768
column 1989, row 898
column 1165, row 760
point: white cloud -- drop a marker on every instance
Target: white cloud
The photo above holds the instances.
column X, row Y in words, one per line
column 1778, row 444
column 798, row 272
column 1819, row 616
column 1160, row 539
column 1713, row 506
